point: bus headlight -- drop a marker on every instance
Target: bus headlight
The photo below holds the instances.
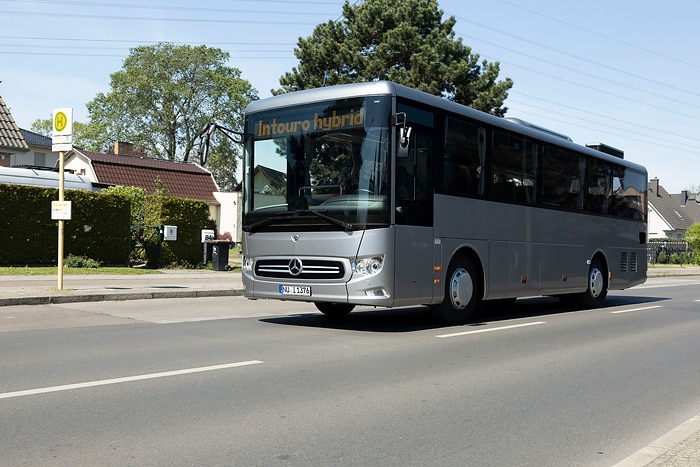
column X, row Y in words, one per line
column 247, row 264
column 368, row 266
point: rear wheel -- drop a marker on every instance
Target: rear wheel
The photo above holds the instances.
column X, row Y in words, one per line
column 597, row 289
column 597, row 285
column 462, row 292
column 335, row 310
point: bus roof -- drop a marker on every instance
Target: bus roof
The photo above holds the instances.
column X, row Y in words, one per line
column 376, row 88
column 43, row 178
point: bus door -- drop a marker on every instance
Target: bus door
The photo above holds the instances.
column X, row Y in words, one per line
column 413, row 181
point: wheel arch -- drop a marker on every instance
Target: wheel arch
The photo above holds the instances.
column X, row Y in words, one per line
column 474, row 257
column 603, row 258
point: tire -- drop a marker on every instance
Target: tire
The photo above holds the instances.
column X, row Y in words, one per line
column 462, row 293
column 334, row 310
column 596, row 291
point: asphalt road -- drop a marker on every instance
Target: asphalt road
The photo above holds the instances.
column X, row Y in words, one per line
column 225, row 381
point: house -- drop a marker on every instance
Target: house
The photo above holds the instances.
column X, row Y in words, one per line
column 180, row 179
column 39, row 154
column 274, row 186
column 12, row 142
column 670, row 215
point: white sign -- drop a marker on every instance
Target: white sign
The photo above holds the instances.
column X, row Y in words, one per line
column 170, row 232
column 207, row 235
column 62, row 136
column 61, row 210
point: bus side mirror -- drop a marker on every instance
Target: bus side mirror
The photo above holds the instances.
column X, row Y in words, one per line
column 205, row 136
column 203, row 150
column 404, row 134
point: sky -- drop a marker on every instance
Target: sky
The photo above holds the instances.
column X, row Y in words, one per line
column 624, row 72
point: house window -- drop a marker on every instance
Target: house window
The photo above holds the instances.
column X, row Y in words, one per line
column 40, row 159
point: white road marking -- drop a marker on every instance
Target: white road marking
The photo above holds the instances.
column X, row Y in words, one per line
column 663, row 286
column 479, row 331
column 126, row 379
column 635, row 309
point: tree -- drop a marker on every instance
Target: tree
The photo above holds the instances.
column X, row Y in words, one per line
column 692, row 236
column 404, row 41
column 164, row 95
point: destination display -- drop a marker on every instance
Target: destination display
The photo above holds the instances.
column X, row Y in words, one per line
column 276, row 127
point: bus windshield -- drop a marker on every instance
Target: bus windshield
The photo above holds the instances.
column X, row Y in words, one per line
column 321, row 166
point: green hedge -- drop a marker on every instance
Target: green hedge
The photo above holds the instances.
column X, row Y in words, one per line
column 190, row 216
column 31, row 237
column 99, row 227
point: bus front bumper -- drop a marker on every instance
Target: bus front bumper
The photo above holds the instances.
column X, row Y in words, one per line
column 359, row 292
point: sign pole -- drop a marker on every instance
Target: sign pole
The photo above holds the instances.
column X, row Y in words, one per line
column 61, row 141
column 61, row 222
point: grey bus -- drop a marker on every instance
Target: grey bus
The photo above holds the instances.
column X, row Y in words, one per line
column 378, row 194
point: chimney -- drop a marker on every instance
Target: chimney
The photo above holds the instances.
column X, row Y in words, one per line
column 684, row 197
column 654, row 186
column 123, row 148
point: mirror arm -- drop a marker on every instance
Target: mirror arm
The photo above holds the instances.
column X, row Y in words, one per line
column 206, row 134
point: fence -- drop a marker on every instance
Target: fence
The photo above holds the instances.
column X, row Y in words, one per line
column 668, row 248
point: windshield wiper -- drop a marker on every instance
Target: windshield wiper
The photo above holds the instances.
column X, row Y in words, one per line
column 330, row 219
column 289, row 215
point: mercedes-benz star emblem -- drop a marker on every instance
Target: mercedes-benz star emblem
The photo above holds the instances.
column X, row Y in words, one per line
column 295, row 267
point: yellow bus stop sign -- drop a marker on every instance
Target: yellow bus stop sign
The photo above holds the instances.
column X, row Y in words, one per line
column 62, row 137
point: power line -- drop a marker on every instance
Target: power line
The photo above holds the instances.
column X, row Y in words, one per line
column 569, row 55
column 605, row 36
column 160, row 19
column 168, row 7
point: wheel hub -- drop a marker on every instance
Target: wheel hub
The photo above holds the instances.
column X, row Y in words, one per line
column 597, row 282
column 461, row 288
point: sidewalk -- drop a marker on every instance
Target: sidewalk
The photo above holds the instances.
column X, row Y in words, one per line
column 166, row 283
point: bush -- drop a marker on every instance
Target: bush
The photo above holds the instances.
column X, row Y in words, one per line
column 661, row 259
column 72, row 261
column 98, row 227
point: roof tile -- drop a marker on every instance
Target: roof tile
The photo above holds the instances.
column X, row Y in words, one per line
column 181, row 179
column 10, row 136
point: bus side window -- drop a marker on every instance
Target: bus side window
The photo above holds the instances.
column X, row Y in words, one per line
column 417, row 208
column 561, row 185
column 597, row 186
column 513, row 158
column 463, row 158
column 414, row 190
column 629, row 193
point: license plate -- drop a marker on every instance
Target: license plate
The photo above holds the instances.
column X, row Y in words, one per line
column 303, row 290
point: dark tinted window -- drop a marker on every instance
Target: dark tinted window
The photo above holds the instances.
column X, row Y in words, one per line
column 464, row 147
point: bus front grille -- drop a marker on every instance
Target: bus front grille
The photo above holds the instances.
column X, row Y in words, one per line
column 296, row 268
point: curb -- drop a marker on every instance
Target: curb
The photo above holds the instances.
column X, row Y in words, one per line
column 675, row 448
column 114, row 297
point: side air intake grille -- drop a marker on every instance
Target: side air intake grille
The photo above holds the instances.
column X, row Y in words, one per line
column 633, row 261
column 628, row 261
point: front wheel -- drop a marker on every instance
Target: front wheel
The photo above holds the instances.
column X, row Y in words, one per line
column 334, row 310
column 462, row 293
